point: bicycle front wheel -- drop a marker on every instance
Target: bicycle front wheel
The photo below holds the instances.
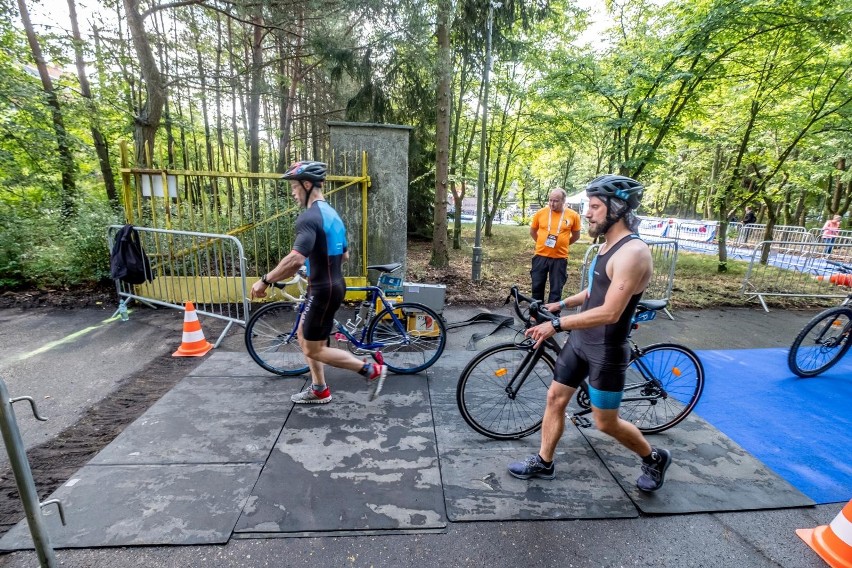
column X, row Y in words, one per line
column 412, row 337
column 271, row 339
column 502, row 392
column 821, row 343
column 663, row 385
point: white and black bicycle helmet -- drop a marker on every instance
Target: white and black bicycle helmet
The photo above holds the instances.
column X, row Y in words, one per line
column 306, row 170
column 627, row 189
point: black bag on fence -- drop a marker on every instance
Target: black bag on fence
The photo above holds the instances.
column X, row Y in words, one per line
column 128, row 261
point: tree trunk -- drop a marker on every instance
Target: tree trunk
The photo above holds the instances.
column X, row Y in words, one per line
column 444, row 68
column 254, row 96
column 67, row 165
column 148, row 114
column 101, row 147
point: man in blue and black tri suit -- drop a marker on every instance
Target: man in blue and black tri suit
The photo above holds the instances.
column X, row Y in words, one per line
column 597, row 347
column 320, row 245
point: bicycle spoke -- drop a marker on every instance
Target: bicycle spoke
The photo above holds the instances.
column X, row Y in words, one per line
column 822, row 342
column 271, row 340
column 662, row 387
column 484, row 401
column 405, row 347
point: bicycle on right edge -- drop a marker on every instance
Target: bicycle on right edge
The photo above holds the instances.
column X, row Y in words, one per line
column 502, row 391
column 826, row 338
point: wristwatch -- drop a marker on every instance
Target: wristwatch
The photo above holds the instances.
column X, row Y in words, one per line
column 265, row 281
column 557, row 325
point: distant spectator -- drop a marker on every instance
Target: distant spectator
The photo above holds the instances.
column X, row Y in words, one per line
column 554, row 229
column 749, row 216
column 830, row 231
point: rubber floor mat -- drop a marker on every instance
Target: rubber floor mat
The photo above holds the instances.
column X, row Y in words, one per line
column 709, row 472
column 352, row 466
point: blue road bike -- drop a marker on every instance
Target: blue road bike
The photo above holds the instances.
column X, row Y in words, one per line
column 408, row 337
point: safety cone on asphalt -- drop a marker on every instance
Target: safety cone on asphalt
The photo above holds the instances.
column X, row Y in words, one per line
column 193, row 344
column 832, row 542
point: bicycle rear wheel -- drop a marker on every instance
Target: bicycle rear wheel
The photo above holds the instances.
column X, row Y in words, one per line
column 482, row 392
column 822, row 342
column 663, row 385
column 271, row 339
column 414, row 348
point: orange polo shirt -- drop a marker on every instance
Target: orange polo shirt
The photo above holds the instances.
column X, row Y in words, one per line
column 543, row 218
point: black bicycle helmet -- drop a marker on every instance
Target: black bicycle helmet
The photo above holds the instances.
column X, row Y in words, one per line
column 306, row 170
column 627, row 189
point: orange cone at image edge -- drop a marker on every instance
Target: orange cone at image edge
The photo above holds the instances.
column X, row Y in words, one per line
column 832, row 542
column 193, row 344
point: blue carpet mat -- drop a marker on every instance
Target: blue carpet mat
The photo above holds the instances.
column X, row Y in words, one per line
column 800, row 428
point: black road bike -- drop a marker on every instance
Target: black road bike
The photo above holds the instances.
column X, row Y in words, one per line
column 826, row 338
column 502, row 391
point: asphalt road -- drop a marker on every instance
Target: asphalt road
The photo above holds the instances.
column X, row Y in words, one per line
column 68, row 360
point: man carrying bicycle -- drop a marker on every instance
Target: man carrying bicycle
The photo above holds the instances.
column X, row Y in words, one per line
column 597, row 347
column 320, row 245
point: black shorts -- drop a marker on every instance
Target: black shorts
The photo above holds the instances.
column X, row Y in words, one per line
column 320, row 306
column 604, row 365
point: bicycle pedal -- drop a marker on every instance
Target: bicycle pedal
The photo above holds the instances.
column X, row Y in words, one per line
column 581, row 422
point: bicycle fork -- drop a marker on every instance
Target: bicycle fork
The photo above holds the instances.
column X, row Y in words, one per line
column 519, row 378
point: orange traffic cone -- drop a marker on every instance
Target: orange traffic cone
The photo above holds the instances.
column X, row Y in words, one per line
column 193, row 344
column 832, row 542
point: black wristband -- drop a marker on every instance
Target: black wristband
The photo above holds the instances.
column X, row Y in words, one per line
column 265, row 281
column 556, row 323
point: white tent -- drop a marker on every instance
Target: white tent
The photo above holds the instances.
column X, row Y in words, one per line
column 580, row 200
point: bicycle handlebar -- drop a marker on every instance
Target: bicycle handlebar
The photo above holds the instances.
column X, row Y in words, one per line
column 299, row 279
column 536, row 309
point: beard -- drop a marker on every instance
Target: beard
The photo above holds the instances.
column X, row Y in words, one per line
column 598, row 229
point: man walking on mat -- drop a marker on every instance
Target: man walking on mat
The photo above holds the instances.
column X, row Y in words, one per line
column 597, row 347
column 319, row 244
column 553, row 228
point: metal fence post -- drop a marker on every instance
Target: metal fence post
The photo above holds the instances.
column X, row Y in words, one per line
column 24, row 477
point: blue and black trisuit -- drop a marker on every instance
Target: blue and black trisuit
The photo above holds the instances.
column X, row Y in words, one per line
column 321, row 238
column 600, row 353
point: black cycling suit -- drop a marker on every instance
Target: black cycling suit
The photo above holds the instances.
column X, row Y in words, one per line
column 600, row 353
column 321, row 238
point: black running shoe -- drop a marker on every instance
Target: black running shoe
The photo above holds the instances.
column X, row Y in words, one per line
column 532, row 467
column 653, row 475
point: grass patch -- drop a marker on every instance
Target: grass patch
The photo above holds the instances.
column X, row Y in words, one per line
column 506, row 261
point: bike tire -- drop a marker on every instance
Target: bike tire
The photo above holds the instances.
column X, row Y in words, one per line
column 822, row 342
column 272, row 342
column 482, row 398
column 408, row 351
column 674, row 388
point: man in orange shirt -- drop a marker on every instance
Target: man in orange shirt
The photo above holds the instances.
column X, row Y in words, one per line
column 554, row 229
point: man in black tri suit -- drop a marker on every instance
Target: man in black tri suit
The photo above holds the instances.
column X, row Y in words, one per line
column 597, row 347
column 320, row 245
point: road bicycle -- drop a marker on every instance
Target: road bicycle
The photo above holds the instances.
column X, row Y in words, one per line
column 502, row 391
column 408, row 337
column 826, row 338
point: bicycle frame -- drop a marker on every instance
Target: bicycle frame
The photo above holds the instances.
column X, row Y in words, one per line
column 359, row 341
column 550, row 343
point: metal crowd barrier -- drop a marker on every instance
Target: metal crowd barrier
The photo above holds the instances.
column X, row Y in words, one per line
column 206, row 269
column 844, row 237
column 795, row 268
column 664, row 254
column 24, row 477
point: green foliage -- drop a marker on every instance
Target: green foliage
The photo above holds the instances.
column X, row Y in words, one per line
column 39, row 249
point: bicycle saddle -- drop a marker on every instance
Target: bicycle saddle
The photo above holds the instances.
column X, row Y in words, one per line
column 392, row 267
column 653, row 305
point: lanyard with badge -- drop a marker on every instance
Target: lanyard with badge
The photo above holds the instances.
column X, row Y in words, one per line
column 550, row 242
